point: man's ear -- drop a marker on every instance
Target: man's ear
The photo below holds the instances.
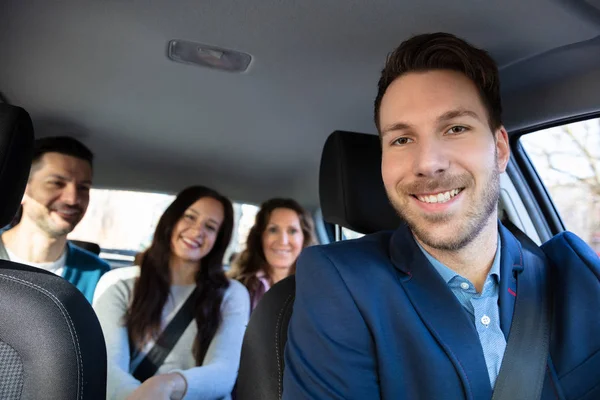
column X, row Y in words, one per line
column 502, row 148
column 26, row 196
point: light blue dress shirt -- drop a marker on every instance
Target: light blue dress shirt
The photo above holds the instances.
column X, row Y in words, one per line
column 482, row 308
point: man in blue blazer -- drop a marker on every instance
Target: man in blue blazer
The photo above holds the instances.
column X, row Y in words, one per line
column 425, row 312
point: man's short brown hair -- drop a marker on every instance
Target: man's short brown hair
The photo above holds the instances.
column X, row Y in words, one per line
column 444, row 51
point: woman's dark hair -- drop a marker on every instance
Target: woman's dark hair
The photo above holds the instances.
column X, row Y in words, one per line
column 444, row 51
column 252, row 259
column 152, row 287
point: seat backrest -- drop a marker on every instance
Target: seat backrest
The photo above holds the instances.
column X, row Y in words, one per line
column 89, row 246
column 352, row 195
column 51, row 343
column 261, row 364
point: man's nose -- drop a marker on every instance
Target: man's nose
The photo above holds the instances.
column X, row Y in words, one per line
column 70, row 195
column 430, row 158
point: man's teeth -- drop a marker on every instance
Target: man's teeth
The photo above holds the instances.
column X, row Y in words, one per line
column 440, row 197
column 67, row 212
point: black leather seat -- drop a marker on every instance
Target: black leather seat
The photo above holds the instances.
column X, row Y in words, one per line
column 51, row 344
column 352, row 195
column 261, row 364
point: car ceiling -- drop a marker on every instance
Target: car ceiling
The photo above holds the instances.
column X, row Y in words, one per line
column 98, row 70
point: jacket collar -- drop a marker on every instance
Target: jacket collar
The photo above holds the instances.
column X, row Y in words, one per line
column 442, row 313
column 511, row 263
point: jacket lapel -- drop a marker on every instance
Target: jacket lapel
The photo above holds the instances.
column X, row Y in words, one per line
column 442, row 313
column 511, row 258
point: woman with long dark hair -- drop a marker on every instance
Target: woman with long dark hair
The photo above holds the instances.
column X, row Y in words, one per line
column 136, row 304
column 281, row 230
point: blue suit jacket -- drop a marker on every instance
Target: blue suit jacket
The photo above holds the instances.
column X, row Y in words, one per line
column 374, row 320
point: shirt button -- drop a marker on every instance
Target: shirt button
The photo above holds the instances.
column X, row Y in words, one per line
column 485, row 320
column 464, row 286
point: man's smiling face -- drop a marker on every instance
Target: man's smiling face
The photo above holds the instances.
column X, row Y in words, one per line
column 440, row 159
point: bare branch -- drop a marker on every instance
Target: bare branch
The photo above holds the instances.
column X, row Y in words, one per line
column 589, row 157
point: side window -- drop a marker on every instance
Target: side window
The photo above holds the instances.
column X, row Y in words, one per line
column 567, row 159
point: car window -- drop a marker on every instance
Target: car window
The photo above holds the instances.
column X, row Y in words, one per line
column 567, row 159
column 123, row 222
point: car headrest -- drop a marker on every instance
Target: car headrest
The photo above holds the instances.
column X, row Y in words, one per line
column 16, row 153
column 89, row 246
column 351, row 189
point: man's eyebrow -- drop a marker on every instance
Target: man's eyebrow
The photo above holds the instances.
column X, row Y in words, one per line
column 58, row 176
column 397, row 126
column 64, row 178
column 447, row 116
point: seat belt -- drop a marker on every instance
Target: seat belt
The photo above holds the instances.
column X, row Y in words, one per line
column 523, row 368
column 166, row 340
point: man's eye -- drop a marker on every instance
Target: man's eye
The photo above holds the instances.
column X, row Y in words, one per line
column 455, row 130
column 401, row 141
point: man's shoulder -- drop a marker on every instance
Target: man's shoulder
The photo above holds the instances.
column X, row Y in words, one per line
column 85, row 260
column 376, row 242
column 348, row 255
column 567, row 250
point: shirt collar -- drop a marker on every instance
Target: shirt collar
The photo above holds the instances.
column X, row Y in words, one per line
column 447, row 274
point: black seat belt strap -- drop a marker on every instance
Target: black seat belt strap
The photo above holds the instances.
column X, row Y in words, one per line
column 166, row 340
column 523, row 367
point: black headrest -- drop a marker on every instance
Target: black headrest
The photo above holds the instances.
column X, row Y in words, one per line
column 350, row 185
column 16, row 153
column 89, row 246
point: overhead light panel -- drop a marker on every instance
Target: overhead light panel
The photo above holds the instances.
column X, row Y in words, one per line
column 208, row 56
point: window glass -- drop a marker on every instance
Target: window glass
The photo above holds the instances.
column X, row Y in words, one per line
column 567, row 159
